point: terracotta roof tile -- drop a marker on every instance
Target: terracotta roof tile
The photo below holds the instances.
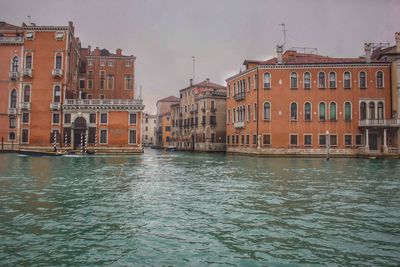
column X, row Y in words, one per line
column 169, row 99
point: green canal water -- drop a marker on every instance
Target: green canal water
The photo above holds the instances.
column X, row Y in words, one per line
column 183, row 209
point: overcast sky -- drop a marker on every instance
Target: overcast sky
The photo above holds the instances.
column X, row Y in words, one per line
column 164, row 35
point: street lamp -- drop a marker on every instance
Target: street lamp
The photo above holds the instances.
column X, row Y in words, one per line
column 327, row 142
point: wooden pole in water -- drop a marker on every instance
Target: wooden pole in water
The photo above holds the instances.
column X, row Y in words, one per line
column 327, row 142
column 55, row 141
column 81, row 143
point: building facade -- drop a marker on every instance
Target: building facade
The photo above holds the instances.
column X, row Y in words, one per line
column 163, row 123
column 199, row 119
column 56, row 110
column 300, row 104
column 148, row 129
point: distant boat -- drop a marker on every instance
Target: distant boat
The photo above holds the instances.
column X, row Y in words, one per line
column 171, row 148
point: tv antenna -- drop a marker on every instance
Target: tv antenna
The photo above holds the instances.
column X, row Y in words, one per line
column 194, row 65
column 29, row 19
column 284, row 33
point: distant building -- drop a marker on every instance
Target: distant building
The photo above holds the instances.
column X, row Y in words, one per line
column 59, row 95
column 148, row 129
column 199, row 119
column 163, row 124
column 298, row 103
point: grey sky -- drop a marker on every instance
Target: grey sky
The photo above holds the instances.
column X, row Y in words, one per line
column 164, row 35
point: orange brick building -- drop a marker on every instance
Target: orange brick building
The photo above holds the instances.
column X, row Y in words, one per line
column 299, row 103
column 55, row 108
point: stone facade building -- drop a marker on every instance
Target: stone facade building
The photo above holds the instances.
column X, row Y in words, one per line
column 54, row 100
column 298, row 103
column 148, row 129
column 163, row 123
column 199, row 118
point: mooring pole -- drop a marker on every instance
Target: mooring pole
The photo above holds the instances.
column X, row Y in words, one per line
column 2, row 143
column 327, row 142
column 81, row 143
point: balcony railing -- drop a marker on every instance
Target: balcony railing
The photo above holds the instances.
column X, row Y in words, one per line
column 11, row 40
column 55, row 105
column 379, row 123
column 103, row 102
column 27, row 72
column 57, row 72
column 239, row 124
column 240, row 96
column 26, row 105
column 14, row 75
column 12, row 111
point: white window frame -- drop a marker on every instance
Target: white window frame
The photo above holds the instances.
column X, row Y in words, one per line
column 22, row 130
column 129, row 118
column 304, row 78
column 100, row 130
column 129, row 136
column 304, row 139
column 383, row 79
column 344, row 139
column 344, row 79
column 52, row 118
column 103, row 123
column 290, row 143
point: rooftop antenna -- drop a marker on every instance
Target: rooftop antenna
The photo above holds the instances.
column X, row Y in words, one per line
column 29, row 19
column 284, row 33
column 194, row 68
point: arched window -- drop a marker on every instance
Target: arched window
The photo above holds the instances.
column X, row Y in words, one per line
column 267, row 111
column 293, row 80
column 380, row 111
column 293, row 111
column 371, row 107
column 332, row 79
column 362, row 79
column 363, row 111
column 28, row 61
column 379, row 79
column 321, row 80
column 307, row 111
column 322, row 111
column 347, row 111
column 346, row 80
column 267, row 80
column 332, row 111
column 13, row 99
column 307, row 80
column 57, row 94
column 58, row 61
column 15, row 64
column 27, row 93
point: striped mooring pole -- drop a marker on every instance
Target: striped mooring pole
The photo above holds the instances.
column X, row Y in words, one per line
column 66, row 141
column 81, row 143
column 55, row 141
column 86, row 142
column 95, row 143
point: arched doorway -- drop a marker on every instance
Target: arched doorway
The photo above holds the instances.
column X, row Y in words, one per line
column 79, row 129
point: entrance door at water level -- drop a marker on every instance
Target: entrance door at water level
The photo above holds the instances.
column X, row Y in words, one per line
column 77, row 138
column 373, row 141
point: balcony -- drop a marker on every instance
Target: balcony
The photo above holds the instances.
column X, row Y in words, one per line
column 27, row 73
column 14, row 75
column 26, row 106
column 57, row 72
column 136, row 104
column 379, row 123
column 55, row 106
column 213, row 110
column 11, row 40
column 240, row 96
column 12, row 111
column 239, row 124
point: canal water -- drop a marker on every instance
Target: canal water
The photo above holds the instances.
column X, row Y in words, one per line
column 183, row 209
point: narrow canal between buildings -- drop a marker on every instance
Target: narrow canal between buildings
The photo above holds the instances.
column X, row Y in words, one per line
column 183, row 209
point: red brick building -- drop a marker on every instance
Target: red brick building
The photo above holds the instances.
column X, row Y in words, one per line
column 55, row 105
column 297, row 103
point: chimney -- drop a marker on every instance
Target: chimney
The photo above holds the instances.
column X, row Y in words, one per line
column 279, row 51
column 89, row 47
column 191, row 82
column 397, row 36
column 367, row 49
column 119, row 52
column 208, row 80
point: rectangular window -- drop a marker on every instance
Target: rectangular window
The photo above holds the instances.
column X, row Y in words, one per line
column 103, row 118
column 25, row 136
column 333, row 140
column 90, row 84
column 293, row 139
column 11, row 136
column 67, row 118
column 307, row 140
column 132, row 137
column 103, row 136
column 212, row 137
column 227, row 139
column 56, row 118
column 127, row 63
column 132, row 118
column 12, row 123
column 102, row 79
column 254, row 139
column 110, row 63
column 242, row 140
column 322, row 140
column 90, row 62
column 167, row 128
column 359, row 140
column 82, row 84
column 266, row 139
column 348, row 139
column 128, row 82
column 25, row 117
column 92, row 118
column 247, row 139
column 110, row 82
column 28, row 61
column 102, row 63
